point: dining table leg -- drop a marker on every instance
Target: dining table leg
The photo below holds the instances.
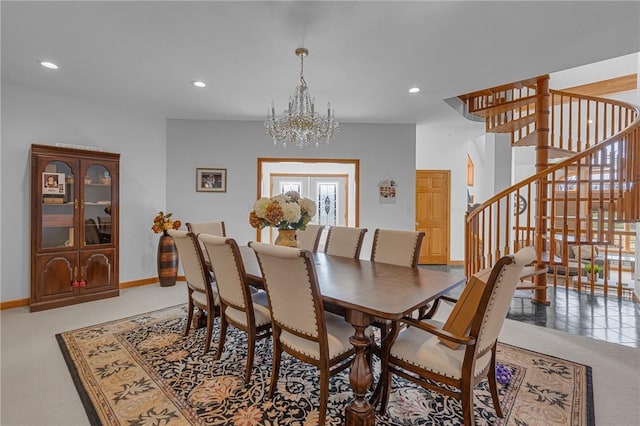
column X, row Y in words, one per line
column 360, row 412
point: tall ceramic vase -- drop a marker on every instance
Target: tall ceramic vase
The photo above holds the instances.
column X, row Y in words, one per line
column 167, row 260
column 287, row 238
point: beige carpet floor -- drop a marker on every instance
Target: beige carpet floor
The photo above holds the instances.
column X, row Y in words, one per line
column 36, row 388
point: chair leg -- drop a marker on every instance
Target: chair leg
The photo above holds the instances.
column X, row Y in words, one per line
column 324, row 395
column 467, row 404
column 207, row 343
column 251, row 344
column 385, row 382
column 493, row 387
column 189, row 316
column 223, row 335
column 275, row 370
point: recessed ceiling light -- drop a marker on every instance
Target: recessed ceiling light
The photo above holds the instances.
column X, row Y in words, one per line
column 414, row 90
column 199, row 84
column 48, row 64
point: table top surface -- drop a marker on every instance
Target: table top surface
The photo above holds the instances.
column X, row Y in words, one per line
column 379, row 289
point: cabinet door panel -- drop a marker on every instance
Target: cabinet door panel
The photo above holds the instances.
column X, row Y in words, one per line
column 54, row 183
column 97, row 270
column 97, row 199
column 56, row 273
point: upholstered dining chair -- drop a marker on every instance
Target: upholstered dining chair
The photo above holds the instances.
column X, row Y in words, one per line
column 345, row 241
column 238, row 307
column 301, row 327
column 91, row 233
column 397, row 247
column 210, row 228
column 419, row 352
column 309, row 239
column 202, row 291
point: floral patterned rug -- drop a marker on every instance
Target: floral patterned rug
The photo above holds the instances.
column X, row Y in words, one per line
column 141, row 371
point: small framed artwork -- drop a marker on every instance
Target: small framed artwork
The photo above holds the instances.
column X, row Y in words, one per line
column 53, row 183
column 211, row 180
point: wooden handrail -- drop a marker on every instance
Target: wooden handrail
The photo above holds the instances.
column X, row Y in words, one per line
column 575, row 202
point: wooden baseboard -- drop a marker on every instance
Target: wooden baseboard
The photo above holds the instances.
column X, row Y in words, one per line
column 14, row 303
column 456, row 262
column 127, row 284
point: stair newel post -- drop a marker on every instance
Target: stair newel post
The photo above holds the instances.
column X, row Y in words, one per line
column 542, row 162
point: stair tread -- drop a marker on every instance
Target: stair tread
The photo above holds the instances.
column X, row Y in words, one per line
column 555, row 152
column 513, row 125
column 530, row 140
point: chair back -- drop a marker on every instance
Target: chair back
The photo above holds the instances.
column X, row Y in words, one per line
column 193, row 265
column 497, row 297
column 310, row 237
column 227, row 265
column 210, row 228
column 345, row 241
column 91, row 234
column 396, row 247
column 292, row 287
column 104, row 223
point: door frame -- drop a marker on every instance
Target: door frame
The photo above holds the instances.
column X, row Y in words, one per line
column 348, row 161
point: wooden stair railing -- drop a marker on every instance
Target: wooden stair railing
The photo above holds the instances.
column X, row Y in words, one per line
column 572, row 203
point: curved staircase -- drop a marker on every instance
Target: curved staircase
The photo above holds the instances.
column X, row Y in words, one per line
column 587, row 181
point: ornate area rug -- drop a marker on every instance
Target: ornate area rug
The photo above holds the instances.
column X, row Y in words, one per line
column 141, row 371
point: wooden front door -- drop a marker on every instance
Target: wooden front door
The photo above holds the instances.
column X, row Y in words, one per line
column 432, row 215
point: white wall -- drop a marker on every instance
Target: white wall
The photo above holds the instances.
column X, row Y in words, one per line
column 236, row 146
column 443, row 146
column 30, row 116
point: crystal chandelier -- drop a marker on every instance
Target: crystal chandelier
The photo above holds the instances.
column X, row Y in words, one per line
column 300, row 123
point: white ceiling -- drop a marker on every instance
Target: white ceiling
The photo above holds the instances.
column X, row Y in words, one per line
column 363, row 58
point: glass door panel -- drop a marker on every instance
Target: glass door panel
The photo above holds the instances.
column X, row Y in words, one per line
column 57, row 205
column 97, row 205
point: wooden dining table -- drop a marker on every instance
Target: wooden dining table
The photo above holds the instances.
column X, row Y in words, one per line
column 367, row 291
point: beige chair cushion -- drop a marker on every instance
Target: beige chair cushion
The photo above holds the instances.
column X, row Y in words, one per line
column 260, row 311
column 338, row 333
column 396, row 247
column 292, row 283
column 307, row 239
column 582, row 252
column 344, row 241
column 211, row 228
column 200, row 299
column 459, row 320
column 424, row 350
column 224, row 265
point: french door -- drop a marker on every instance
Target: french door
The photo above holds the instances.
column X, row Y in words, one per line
column 330, row 193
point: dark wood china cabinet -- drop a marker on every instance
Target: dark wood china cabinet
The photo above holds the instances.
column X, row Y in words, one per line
column 74, row 226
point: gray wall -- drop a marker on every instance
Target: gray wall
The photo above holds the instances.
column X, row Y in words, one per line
column 381, row 148
column 157, row 172
column 30, row 116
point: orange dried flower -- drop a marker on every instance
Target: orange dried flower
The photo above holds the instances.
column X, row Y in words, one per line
column 163, row 222
column 273, row 214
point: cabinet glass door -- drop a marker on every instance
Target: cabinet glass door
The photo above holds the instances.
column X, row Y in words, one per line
column 97, row 205
column 57, row 205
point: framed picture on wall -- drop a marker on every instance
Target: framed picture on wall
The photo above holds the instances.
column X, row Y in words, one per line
column 211, row 180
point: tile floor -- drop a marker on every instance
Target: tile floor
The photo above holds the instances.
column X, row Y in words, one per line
column 603, row 318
